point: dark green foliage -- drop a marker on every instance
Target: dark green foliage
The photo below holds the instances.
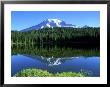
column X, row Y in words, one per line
column 53, row 51
column 57, row 42
column 56, row 35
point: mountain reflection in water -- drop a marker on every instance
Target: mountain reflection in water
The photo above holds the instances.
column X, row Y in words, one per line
column 56, row 59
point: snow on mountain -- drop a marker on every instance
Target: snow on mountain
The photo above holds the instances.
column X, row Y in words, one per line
column 56, row 21
column 42, row 26
column 50, row 23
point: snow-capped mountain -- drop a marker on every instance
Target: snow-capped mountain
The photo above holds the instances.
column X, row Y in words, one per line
column 50, row 23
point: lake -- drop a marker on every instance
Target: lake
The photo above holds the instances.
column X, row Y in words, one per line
column 56, row 60
column 75, row 64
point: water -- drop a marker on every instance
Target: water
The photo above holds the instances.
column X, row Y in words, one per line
column 75, row 58
column 60, row 64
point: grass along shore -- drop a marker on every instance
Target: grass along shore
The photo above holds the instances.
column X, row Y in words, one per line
column 43, row 73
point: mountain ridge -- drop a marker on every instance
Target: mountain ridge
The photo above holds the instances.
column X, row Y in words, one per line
column 49, row 23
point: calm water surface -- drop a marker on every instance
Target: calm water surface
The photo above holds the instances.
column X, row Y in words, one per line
column 53, row 65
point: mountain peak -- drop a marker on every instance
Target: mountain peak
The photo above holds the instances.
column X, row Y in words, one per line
column 49, row 23
column 54, row 20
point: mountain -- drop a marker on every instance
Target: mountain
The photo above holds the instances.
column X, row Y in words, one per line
column 50, row 23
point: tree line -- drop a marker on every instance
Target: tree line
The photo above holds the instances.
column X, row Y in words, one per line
column 57, row 35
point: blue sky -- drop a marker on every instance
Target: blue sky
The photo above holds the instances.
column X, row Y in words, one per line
column 24, row 19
